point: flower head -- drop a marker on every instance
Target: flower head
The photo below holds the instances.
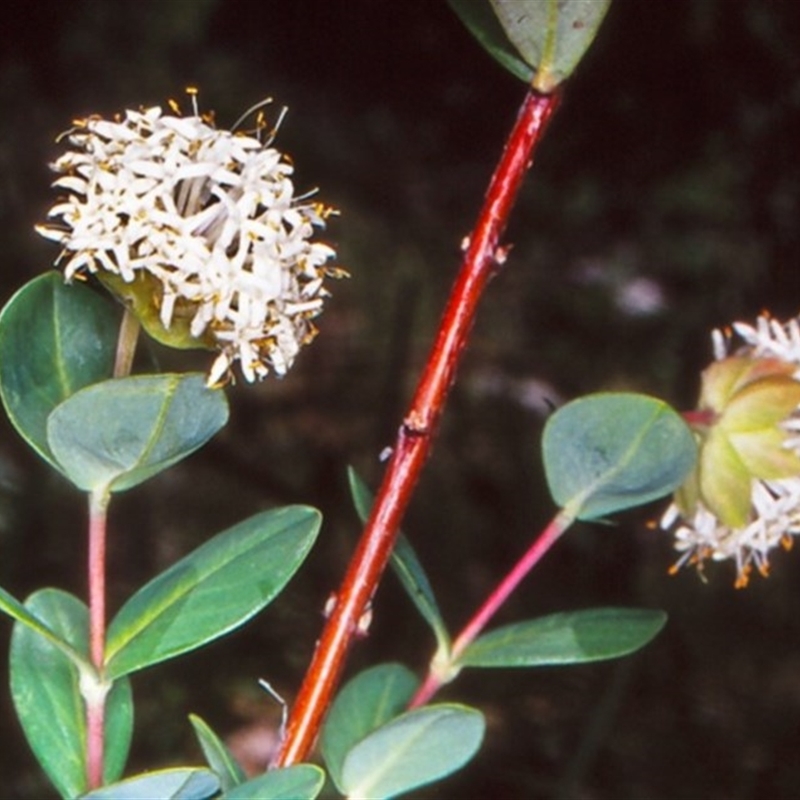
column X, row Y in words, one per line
column 198, row 230
column 743, row 497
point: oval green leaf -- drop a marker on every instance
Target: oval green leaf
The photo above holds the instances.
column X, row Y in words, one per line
column 46, row 694
column 569, row 638
column 607, row 452
column 11, row 606
column 300, row 782
column 213, row 590
column 483, row 24
column 118, row 433
column 180, row 783
column 414, row 749
column 366, row 702
column 551, row 36
column 54, row 340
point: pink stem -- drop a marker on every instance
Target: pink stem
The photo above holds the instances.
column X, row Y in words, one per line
column 546, row 540
column 95, row 704
column 98, row 519
column 700, row 418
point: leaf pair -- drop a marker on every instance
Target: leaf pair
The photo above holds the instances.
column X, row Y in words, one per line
column 57, row 346
column 374, row 749
column 540, row 42
column 371, row 749
column 224, row 779
column 301, row 782
column 208, row 593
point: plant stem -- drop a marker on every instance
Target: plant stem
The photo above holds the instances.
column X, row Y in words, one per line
column 699, row 418
column 414, row 438
column 95, row 688
column 438, row 676
column 95, row 701
column 126, row 344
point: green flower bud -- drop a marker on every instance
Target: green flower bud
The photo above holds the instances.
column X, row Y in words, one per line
column 743, row 403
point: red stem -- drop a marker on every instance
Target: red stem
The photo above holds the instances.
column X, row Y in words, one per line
column 549, row 536
column 699, row 418
column 95, row 701
column 415, row 435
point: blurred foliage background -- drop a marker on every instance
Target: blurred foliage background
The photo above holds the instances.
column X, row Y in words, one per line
column 664, row 201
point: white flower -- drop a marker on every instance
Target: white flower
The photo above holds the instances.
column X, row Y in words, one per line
column 199, row 231
column 748, row 430
column 776, row 519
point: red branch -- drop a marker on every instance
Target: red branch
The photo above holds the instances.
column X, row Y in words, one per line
column 416, row 433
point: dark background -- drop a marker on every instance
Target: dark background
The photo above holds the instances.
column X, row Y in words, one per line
column 671, row 169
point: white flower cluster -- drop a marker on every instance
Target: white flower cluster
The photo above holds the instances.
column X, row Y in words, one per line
column 767, row 339
column 776, row 519
column 775, row 504
column 211, row 215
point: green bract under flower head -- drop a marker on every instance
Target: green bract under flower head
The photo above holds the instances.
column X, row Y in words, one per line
column 198, row 231
column 743, row 497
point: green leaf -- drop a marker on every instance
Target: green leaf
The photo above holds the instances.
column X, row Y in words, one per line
column 483, row 24
column 137, row 296
column 416, row 748
column 54, row 340
column 118, row 433
column 414, row 580
column 551, row 36
column 217, row 755
column 607, row 452
column 569, row 638
column 181, row 783
column 300, row 782
column 11, row 606
column 366, row 702
column 211, row 591
column 45, row 687
column 406, row 566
